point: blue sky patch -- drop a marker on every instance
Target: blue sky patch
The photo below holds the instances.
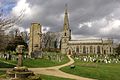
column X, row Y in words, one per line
column 6, row 6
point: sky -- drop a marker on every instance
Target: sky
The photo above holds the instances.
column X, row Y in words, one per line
column 88, row 18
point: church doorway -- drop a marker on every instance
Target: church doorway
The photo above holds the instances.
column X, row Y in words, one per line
column 69, row 53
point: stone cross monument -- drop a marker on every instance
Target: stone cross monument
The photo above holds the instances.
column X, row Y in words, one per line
column 20, row 72
column 19, row 51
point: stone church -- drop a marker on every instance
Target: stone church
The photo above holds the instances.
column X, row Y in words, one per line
column 83, row 46
column 68, row 46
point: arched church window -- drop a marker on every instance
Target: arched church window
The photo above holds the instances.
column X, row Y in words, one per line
column 91, row 49
column 94, row 50
column 84, row 49
column 98, row 49
column 77, row 49
column 104, row 51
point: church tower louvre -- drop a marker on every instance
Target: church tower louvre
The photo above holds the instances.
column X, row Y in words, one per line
column 66, row 33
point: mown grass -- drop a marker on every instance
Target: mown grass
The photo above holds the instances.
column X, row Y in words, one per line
column 46, row 77
column 42, row 77
column 2, row 72
column 9, row 61
column 100, row 71
column 5, row 65
column 43, row 62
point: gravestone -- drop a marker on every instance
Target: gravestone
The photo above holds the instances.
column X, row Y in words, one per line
column 37, row 54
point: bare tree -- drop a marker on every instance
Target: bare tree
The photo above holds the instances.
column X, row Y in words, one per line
column 6, row 22
column 50, row 40
column 46, row 40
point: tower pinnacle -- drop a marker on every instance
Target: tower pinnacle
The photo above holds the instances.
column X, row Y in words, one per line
column 66, row 20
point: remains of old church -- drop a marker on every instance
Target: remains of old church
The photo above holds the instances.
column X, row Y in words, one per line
column 35, row 40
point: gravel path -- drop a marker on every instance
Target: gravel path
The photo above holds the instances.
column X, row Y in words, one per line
column 54, row 71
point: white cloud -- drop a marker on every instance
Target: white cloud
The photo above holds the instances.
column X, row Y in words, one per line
column 99, row 19
column 112, row 27
column 29, row 13
column 28, row 30
column 89, row 24
column 14, row 28
column 45, row 29
column 22, row 5
column 18, row 27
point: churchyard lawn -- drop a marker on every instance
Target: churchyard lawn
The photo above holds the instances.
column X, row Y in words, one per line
column 43, row 77
column 2, row 72
column 6, row 65
column 100, row 71
column 49, row 59
column 44, row 62
column 46, row 77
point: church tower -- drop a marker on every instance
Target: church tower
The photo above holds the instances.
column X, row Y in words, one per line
column 66, row 33
column 35, row 38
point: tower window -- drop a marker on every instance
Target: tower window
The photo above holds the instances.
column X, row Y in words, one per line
column 65, row 34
